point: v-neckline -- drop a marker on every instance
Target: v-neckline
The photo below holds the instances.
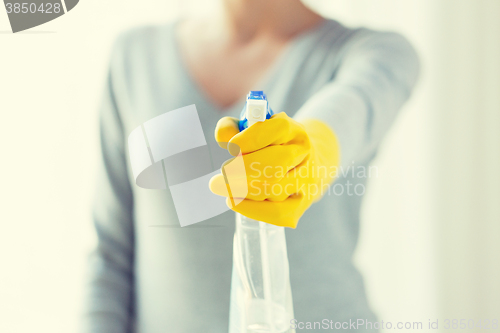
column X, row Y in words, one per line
column 264, row 83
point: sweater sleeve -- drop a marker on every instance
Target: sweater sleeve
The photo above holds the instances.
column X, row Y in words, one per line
column 375, row 77
column 109, row 289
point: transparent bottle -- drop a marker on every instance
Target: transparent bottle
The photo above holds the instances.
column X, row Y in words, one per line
column 261, row 295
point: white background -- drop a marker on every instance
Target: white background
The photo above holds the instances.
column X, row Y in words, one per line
column 429, row 242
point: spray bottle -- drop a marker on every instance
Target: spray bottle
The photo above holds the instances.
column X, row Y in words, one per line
column 261, row 296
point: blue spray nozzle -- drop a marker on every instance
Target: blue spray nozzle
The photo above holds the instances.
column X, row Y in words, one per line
column 254, row 95
column 257, row 94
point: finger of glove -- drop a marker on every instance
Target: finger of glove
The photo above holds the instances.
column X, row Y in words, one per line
column 282, row 214
column 253, row 190
column 277, row 130
column 270, row 179
column 259, row 191
column 227, row 187
column 271, row 163
column 225, row 130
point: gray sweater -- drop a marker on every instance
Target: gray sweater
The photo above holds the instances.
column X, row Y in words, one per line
column 149, row 275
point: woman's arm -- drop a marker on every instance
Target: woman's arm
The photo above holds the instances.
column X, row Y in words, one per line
column 377, row 73
column 110, row 285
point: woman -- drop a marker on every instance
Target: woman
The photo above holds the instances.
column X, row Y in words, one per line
column 349, row 82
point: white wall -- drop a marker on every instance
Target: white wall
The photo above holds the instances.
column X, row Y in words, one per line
column 468, row 156
column 50, row 85
column 428, row 245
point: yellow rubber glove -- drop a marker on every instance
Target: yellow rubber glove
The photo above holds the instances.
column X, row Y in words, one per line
column 287, row 167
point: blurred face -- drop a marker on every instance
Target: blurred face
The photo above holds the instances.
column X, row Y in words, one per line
column 262, row 4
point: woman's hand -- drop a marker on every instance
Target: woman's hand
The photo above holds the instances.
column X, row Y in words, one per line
column 287, row 167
